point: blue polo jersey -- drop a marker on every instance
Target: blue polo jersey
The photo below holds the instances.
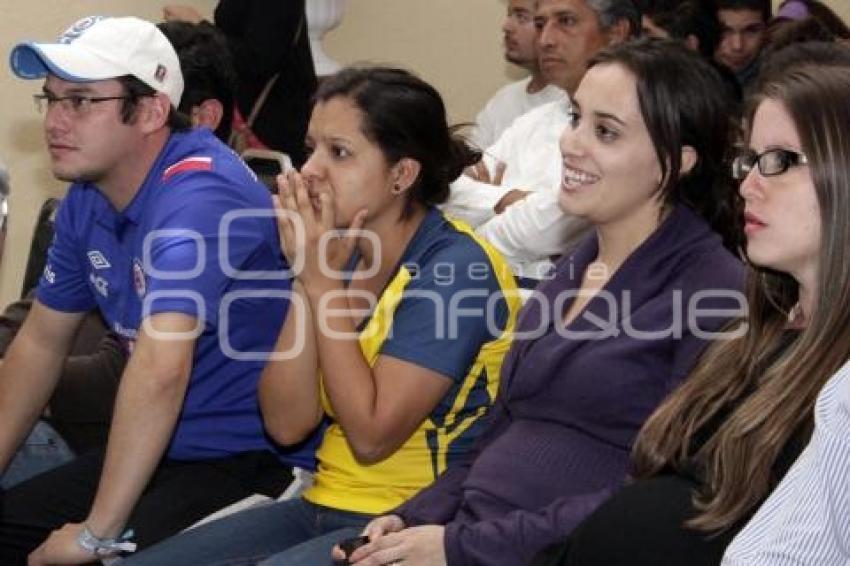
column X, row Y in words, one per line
column 451, row 308
column 199, row 238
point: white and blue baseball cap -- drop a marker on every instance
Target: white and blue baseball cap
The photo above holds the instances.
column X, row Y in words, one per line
column 98, row 48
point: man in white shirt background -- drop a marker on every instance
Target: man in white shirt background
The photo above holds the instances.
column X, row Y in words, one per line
column 517, row 98
column 512, row 198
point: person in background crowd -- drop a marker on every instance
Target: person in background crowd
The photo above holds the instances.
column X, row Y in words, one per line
column 805, row 20
column 793, row 10
column 694, row 24
column 829, row 54
column 267, row 40
column 688, row 21
column 209, row 75
column 643, row 160
column 743, row 33
column 515, row 99
column 518, row 212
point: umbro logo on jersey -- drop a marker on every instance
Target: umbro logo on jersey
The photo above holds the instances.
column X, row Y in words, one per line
column 98, row 260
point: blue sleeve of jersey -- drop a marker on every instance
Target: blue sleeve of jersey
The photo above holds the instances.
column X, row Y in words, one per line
column 63, row 285
column 450, row 309
column 194, row 252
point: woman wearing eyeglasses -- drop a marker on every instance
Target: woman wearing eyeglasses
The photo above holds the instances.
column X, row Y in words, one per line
column 712, row 453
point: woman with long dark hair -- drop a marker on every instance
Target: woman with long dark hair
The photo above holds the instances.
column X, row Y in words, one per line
column 711, row 454
column 804, row 521
column 614, row 329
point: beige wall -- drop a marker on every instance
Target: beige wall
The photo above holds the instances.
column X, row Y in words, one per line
column 455, row 44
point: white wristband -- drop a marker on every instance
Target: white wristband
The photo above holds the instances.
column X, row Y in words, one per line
column 105, row 547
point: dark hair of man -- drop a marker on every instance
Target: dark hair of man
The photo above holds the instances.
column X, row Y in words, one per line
column 207, row 66
column 825, row 15
column 763, row 395
column 797, row 31
column 612, row 11
column 807, row 30
column 406, row 118
column 762, row 6
column 684, row 18
column 684, row 102
column 136, row 90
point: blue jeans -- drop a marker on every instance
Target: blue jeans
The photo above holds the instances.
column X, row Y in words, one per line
column 43, row 450
column 291, row 532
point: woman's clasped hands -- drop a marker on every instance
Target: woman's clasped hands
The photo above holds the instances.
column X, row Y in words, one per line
column 316, row 248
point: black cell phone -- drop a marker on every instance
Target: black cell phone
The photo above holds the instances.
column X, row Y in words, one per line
column 348, row 546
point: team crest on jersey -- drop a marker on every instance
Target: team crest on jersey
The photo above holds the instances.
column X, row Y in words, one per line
column 139, row 278
column 98, row 260
column 100, row 284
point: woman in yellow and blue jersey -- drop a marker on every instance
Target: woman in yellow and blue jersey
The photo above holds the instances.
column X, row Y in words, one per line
column 399, row 323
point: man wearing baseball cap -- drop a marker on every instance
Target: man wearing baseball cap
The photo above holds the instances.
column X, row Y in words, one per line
column 166, row 232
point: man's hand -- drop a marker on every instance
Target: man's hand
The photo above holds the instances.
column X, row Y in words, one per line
column 416, row 546
column 510, row 197
column 61, row 547
column 480, row 173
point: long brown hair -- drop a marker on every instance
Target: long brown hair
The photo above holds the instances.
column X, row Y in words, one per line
column 770, row 394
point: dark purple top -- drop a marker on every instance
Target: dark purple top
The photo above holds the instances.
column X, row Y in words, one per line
column 573, row 398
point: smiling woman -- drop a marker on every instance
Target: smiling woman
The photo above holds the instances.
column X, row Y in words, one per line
column 644, row 162
column 714, row 450
column 625, row 131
